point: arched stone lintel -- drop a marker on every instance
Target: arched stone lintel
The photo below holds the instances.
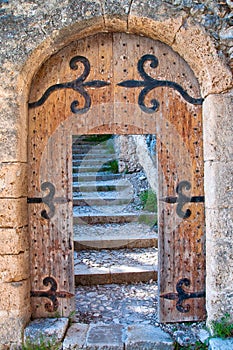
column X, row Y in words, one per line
column 186, row 37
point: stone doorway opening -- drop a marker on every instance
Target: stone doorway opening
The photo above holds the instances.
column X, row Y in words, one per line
column 137, row 92
column 115, row 229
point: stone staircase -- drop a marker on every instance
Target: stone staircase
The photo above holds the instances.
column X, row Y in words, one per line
column 111, row 245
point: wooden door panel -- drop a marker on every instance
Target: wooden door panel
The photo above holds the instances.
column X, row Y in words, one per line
column 120, row 84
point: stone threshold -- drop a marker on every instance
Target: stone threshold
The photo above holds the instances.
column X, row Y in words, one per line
column 76, row 336
column 86, row 276
column 96, row 335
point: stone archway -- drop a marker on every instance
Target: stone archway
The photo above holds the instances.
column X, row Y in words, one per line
column 117, row 83
column 34, row 46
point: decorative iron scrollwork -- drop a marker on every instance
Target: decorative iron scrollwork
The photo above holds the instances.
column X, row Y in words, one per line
column 182, row 295
column 182, row 199
column 51, row 294
column 77, row 85
column 150, row 83
column 49, row 200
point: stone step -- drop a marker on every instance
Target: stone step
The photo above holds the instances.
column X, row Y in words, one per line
column 91, row 162
column 107, row 185
column 92, row 155
column 116, row 336
column 59, row 333
column 95, row 201
column 87, row 147
column 99, row 176
column 93, row 267
column 103, row 217
column 114, row 236
column 90, row 169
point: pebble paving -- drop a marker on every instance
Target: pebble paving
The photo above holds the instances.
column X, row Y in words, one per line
column 130, row 230
column 108, row 258
column 117, row 303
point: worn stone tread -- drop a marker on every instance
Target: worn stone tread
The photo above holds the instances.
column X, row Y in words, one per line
column 110, row 236
column 115, row 266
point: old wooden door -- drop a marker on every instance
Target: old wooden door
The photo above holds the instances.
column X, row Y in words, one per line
column 118, row 84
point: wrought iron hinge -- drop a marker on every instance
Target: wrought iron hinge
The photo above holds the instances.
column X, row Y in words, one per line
column 51, row 294
column 182, row 199
column 49, row 200
column 77, row 85
column 148, row 83
column 182, row 295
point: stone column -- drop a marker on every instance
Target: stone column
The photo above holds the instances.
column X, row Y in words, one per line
column 218, row 158
column 14, row 245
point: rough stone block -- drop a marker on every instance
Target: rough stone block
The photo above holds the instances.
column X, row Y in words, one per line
column 14, row 268
column 116, row 14
column 218, row 130
column 13, row 136
column 11, row 327
column 219, row 224
column 13, row 180
column 159, row 22
column 147, row 337
column 13, row 212
column 15, row 297
column 221, row 344
column 76, row 337
column 218, row 303
column 218, row 184
column 48, row 331
column 220, row 263
column 13, row 241
column 105, row 337
column 90, row 276
column 196, row 47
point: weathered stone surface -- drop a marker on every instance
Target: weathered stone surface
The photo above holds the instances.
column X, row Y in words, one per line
column 115, row 14
column 32, row 31
column 75, row 337
column 9, row 145
column 47, row 331
column 11, row 330
column 219, row 224
column 221, row 344
column 147, row 337
column 15, row 297
column 218, row 127
column 102, row 336
column 218, row 184
column 14, row 268
column 185, row 338
column 203, row 335
column 13, row 212
column 196, row 47
column 157, row 21
column 13, row 180
column 220, row 264
column 13, row 241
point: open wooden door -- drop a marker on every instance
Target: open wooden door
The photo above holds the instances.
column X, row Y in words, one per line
column 122, row 84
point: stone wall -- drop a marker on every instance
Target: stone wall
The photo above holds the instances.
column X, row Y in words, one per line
column 31, row 31
column 136, row 152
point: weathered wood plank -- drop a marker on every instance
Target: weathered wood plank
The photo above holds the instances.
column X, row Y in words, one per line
column 114, row 109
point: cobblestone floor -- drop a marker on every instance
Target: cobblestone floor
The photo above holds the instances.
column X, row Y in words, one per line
column 119, row 304
column 130, row 230
column 108, row 258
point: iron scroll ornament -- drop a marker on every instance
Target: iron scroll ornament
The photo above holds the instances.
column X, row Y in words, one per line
column 78, row 85
column 182, row 295
column 49, row 200
column 148, row 83
column 52, row 294
column 182, row 199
